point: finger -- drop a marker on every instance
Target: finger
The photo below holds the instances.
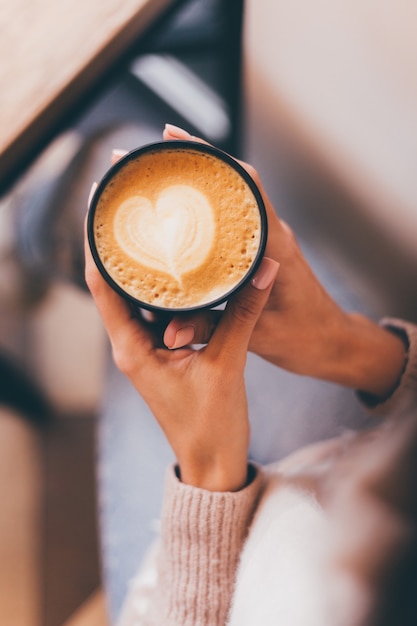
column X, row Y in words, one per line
column 122, row 327
column 117, row 154
column 91, row 194
column 231, row 338
column 172, row 132
column 191, row 329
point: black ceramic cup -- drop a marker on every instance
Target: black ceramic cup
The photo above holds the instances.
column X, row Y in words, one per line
column 177, row 226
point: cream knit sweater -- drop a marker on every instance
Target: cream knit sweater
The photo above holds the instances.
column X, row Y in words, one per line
column 299, row 546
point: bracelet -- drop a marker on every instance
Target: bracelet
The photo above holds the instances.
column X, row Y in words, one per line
column 369, row 399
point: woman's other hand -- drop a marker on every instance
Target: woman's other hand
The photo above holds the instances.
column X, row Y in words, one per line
column 301, row 328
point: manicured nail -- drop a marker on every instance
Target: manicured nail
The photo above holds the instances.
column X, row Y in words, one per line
column 183, row 337
column 266, row 274
column 177, row 132
column 91, row 194
column 117, row 154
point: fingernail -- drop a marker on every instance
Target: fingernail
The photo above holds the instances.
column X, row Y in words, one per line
column 266, row 274
column 148, row 316
column 177, row 132
column 183, row 337
column 91, row 194
column 117, row 154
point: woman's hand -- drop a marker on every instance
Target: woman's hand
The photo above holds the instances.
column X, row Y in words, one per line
column 198, row 397
column 299, row 319
column 301, row 328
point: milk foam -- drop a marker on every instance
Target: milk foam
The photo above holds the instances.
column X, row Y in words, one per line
column 177, row 228
column 174, row 236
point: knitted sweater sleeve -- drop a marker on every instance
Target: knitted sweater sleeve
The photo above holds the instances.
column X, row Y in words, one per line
column 202, row 535
column 404, row 396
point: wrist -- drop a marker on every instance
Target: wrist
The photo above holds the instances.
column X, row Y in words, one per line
column 365, row 356
column 214, row 475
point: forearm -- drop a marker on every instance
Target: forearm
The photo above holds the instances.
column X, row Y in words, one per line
column 365, row 356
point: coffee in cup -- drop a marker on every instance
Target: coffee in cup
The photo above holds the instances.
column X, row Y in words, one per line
column 177, row 225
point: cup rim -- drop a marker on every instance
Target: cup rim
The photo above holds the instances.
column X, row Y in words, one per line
column 161, row 146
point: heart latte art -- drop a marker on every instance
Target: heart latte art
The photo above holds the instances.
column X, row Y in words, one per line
column 174, row 236
column 176, row 228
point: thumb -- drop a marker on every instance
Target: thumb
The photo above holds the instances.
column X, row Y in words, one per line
column 172, row 132
column 233, row 333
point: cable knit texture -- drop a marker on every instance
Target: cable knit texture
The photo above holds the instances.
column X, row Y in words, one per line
column 202, row 537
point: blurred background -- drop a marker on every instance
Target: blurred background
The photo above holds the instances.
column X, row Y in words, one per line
column 319, row 95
